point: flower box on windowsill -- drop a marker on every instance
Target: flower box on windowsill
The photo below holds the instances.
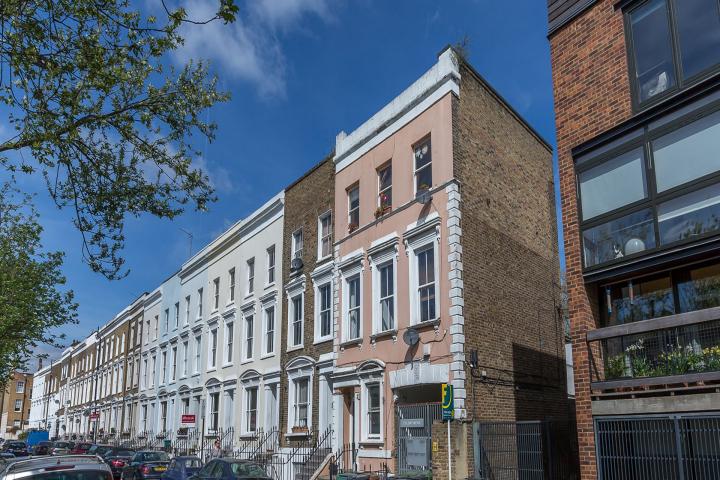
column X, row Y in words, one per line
column 382, row 210
column 300, row 430
column 352, row 227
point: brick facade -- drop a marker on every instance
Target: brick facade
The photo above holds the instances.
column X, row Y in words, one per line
column 510, row 259
column 305, row 200
column 592, row 95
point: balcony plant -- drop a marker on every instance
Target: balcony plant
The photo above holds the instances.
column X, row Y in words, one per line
column 352, row 227
column 382, row 210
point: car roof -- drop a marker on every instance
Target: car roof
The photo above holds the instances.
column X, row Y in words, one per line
column 17, row 466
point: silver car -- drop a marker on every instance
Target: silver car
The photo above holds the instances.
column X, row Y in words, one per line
column 66, row 467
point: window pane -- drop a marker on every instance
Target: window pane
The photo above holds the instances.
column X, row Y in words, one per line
column 654, row 69
column 354, row 198
column 423, row 155
column 687, row 153
column 385, row 177
column 639, row 300
column 427, row 303
column 617, row 238
column 698, row 26
column 387, row 308
column 354, row 292
column 612, row 184
column 693, row 214
column 701, row 289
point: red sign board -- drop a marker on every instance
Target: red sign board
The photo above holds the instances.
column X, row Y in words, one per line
column 187, row 419
column 94, row 416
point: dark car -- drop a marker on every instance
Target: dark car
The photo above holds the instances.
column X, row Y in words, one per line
column 231, row 469
column 42, row 448
column 19, row 449
column 64, row 467
column 181, row 468
column 146, row 464
column 117, row 459
column 81, row 448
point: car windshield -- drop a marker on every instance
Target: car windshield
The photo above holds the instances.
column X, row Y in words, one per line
column 16, row 445
column 247, row 470
column 193, row 463
column 73, row 475
column 84, row 446
column 62, row 445
column 155, row 457
column 100, row 449
column 121, row 453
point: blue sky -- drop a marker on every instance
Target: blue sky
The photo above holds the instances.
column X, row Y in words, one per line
column 299, row 71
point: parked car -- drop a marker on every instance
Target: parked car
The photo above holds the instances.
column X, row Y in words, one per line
column 42, row 448
column 66, row 467
column 146, row 464
column 117, row 459
column 62, row 447
column 99, row 450
column 231, row 469
column 81, row 448
column 181, row 468
column 19, row 449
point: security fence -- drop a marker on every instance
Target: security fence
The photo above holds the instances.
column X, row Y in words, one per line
column 684, row 447
column 534, row 450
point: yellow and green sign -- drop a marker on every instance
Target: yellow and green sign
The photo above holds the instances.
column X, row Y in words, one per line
column 448, row 402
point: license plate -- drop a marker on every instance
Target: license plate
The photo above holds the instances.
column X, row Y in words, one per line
column 160, row 469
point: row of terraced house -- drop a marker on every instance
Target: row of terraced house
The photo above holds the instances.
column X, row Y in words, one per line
column 422, row 251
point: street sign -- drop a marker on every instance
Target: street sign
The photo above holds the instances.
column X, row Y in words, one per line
column 448, row 402
column 94, row 416
column 187, row 419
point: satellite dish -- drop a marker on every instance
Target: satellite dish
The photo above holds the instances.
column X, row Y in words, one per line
column 411, row 337
column 296, row 263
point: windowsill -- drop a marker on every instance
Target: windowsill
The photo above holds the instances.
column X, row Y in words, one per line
column 297, row 434
column 247, row 360
column 426, row 324
column 225, row 365
column 248, row 436
column 267, row 355
column 195, row 374
column 372, row 442
column 386, row 333
column 318, row 341
column 269, row 285
column 211, row 369
column 322, row 259
column 354, row 341
column 294, row 348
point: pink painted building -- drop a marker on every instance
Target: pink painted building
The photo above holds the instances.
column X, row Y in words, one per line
column 400, row 316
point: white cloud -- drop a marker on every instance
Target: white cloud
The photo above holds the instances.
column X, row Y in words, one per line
column 249, row 48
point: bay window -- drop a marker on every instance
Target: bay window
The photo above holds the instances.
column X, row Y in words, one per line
column 658, row 189
column 673, row 43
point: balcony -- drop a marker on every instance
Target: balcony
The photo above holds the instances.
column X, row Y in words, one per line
column 673, row 353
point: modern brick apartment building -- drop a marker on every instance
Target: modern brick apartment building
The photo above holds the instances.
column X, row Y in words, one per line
column 637, row 102
column 15, row 405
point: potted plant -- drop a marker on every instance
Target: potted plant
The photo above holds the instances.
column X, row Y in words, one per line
column 352, row 227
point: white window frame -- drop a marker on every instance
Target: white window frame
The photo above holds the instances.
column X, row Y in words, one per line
column 187, row 310
column 250, row 276
column 20, row 386
column 216, row 294
column 377, row 261
column 212, row 349
column 350, row 210
column 296, row 250
column 428, row 238
column 198, row 354
column 246, row 407
column 322, row 238
column 173, row 372
column 200, row 304
column 163, row 378
column 320, row 281
column 248, row 316
column 291, row 319
column 365, row 407
column 348, row 273
column 229, row 343
column 427, row 139
column 270, row 257
column 231, row 285
column 304, row 372
column 167, row 320
column 157, row 331
column 184, row 371
column 265, row 330
column 381, row 190
column 18, row 405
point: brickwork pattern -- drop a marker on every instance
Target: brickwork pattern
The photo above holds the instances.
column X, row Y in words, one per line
column 305, row 201
column 592, row 94
column 509, row 251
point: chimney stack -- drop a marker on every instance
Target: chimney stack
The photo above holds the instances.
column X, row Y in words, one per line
column 39, row 363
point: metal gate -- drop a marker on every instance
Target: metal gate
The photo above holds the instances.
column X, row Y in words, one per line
column 534, row 450
column 684, row 447
column 414, row 434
